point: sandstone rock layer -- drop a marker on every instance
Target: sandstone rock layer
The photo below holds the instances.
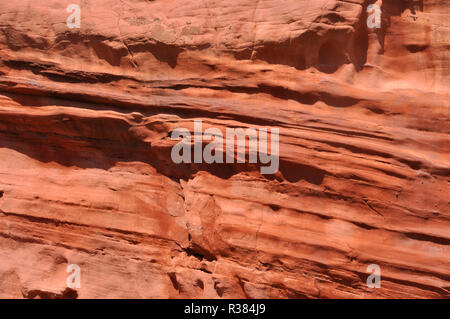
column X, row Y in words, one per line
column 86, row 175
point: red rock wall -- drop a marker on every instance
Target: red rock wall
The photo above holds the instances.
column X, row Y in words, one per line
column 86, row 175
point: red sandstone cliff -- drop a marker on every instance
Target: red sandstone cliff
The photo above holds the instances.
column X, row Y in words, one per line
column 86, row 176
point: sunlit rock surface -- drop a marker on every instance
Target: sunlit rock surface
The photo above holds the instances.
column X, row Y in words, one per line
column 86, row 175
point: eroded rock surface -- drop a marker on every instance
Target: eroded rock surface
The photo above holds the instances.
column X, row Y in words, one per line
column 86, row 175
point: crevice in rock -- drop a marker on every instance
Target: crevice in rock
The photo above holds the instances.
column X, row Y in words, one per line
column 414, row 48
column 68, row 293
column 220, row 290
column 429, row 238
column 198, row 253
column 173, row 280
column 199, row 283
column 331, row 56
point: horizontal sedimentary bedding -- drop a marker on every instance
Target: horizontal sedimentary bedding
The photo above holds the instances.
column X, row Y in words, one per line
column 87, row 178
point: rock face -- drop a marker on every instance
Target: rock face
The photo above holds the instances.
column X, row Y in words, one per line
column 86, row 176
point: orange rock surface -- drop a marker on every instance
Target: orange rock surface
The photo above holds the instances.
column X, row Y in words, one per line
column 86, row 175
